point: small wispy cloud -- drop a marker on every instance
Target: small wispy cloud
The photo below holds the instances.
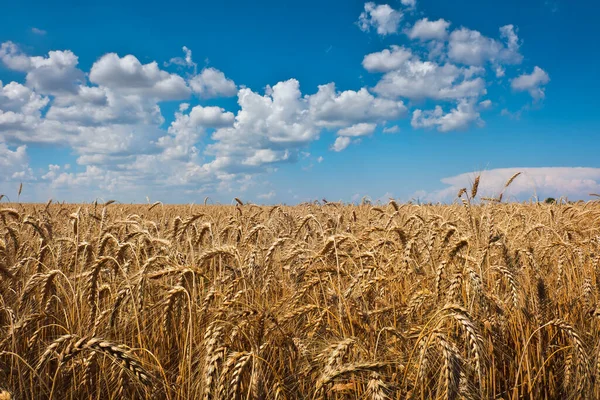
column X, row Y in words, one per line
column 186, row 61
column 38, row 31
column 267, row 196
column 552, row 5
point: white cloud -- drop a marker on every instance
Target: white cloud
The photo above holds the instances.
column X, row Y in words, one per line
column 341, row 142
column 266, row 129
column 470, row 47
column 417, row 79
column 14, row 163
column 93, row 121
column 459, row 118
column 38, row 31
column 20, row 109
column 576, row 183
column 381, row 17
column 386, row 60
column 500, row 71
column 485, row 104
column 265, row 156
column 391, row 129
column 97, row 106
column 127, row 75
column 174, row 159
column 320, row 159
column 508, row 33
column 187, row 129
column 282, row 114
column 55, row 74
column 212, row 83
column 532, row 83
column 211, row 117
column 114, row 140
column 267, row 196
column 13, row 58
column 114, row 128
column 409, row 3
column 272, row 128
column 92, row 178
column 20, row 99
column 331, row 108
column 425, row 29
column 53, row 172
column 361, row 129
column 186, row 61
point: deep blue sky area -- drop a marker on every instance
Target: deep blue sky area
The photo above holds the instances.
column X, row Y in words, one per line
column 252, row 124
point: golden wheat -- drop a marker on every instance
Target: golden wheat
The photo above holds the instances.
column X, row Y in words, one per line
column 478, row 300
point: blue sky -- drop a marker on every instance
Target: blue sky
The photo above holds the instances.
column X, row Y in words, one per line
column 277, row 101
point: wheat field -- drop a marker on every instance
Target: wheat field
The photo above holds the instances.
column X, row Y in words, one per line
column 475, row 300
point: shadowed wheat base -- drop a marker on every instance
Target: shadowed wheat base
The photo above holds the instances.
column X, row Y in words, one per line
column 307, row 302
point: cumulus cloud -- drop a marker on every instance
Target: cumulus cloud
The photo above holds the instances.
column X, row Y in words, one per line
column 176, row 158
column 381, row 17
column 113, row 126
column 341, row 142
column 470, row 47
column 97, row 106
column 102, row 125
column 391, row 129
column 55, row 74
column 416, row 79
column 12, row 57
column 424, row 29
column 93, row 178
column 20, row 109
column 273, row 127
column 331, row 108
column 212, row 83
column 576, row 183
column 500, row 71
column 459, row 118
column 211, row 117
column 265, row 156
column 386, row 60
column 187, row 129
column 266, row 129
column 532, row 83
column 127, row 75
column 14, row 163
column 17, row 98
column 361, row 129
column 507, row 32
column 113, row 143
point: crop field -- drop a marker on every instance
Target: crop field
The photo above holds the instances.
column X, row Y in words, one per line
column 475, row 300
